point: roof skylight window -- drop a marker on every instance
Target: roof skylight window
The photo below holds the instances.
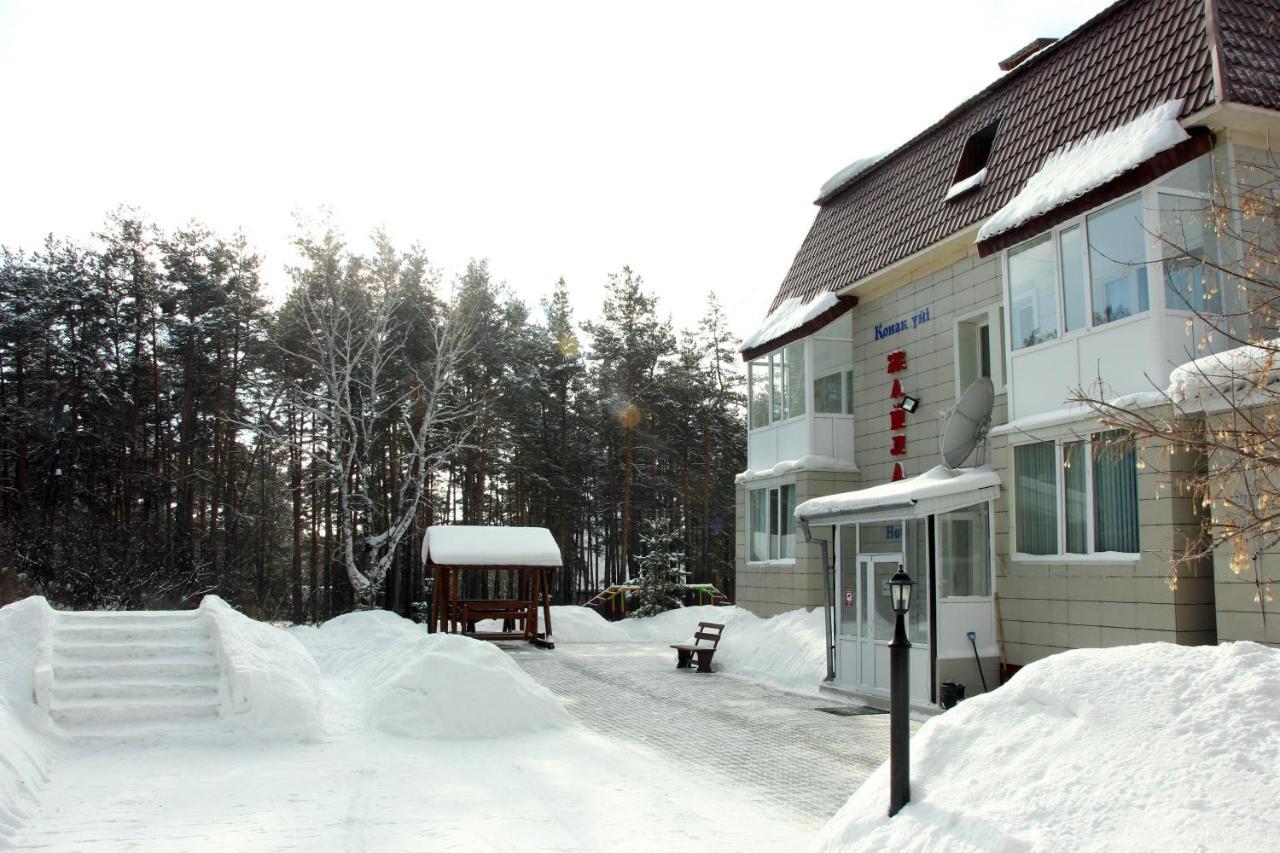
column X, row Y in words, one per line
column 971, row 171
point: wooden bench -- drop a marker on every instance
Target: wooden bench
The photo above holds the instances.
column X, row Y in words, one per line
column 471, row 612
column 684, row 651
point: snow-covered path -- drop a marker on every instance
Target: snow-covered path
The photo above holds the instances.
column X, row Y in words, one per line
column 772, row 748
column 570, row 791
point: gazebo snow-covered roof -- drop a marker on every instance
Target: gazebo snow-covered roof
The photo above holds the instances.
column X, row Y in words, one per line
column 940, row 489
column 524, row 556
column 473, row 545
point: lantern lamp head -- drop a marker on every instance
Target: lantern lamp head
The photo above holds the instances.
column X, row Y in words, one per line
column 909, row 403
column 900, row 590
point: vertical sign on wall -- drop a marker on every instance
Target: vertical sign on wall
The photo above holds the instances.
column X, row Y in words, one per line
column 897, row 363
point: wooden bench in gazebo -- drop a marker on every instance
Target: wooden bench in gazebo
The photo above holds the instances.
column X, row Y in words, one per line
column 525, row 554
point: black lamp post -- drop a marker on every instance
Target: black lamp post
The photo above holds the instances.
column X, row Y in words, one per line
column 899, row 700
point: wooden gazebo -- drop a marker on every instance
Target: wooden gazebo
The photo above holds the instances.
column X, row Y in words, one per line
column 526, row 553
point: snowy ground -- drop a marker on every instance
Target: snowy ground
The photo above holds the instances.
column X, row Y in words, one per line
column 568, row 791
column 771, row 748
column 652, row 759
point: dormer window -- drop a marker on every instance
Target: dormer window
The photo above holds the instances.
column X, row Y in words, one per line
column 971, row 171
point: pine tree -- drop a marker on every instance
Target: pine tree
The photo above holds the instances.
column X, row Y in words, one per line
column 661, row 566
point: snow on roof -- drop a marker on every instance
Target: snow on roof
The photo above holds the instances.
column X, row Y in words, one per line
column 939, row 482
column 1077, row 167
column 848, row 173
column 793, row 313
column 810, row 462
column 1241, row 369
column 472, row 545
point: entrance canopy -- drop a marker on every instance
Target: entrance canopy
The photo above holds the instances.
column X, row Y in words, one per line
column 938, row 490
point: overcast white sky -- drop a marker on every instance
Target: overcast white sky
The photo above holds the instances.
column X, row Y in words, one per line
column 685, row 139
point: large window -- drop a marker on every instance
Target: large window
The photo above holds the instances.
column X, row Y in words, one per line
column 1101, row 259
column 773, row 524
column 1090, row 508
column 1093, row 270
column 777, row 385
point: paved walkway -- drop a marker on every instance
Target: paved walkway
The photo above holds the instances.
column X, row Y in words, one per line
column 771, row 746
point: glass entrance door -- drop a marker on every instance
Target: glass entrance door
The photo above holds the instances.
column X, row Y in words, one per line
column 866, row 621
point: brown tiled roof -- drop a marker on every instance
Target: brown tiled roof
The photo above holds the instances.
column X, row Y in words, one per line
column 1249, row 46
column 1129, row 58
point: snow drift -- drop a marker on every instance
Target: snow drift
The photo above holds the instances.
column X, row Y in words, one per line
column 1151, row 747
column 784, row 651
column 273, row 684
column 26, row 740
column 417, row 684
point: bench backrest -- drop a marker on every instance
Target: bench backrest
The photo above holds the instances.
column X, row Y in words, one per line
column 708, row 631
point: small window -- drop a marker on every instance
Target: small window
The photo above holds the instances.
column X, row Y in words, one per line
column 964, row 552
column 979, row 348
column 971, row 170
column 773, row 524
column 1117, row 261
column 1190, row 239
column 1033, row 290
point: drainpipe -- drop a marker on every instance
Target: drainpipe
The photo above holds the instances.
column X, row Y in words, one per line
column 826, row 595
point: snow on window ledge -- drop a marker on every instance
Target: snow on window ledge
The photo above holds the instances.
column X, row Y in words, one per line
column 1096, row 557
column 1087, row 163
column 972, row 182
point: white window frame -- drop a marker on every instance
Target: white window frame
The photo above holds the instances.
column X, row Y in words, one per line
column 1153, row 261
column 995, row 321
column 767, row 358
column 1150, row 202
column 770, row 559
column 1060, row 556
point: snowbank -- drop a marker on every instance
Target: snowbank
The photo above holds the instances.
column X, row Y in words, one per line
column 422, row 685
column 1151, row 747
column 793, row 313
column 1072, row 170
column 26, row 741
column 784, row 651
column 1223, row 374
column 272, row 682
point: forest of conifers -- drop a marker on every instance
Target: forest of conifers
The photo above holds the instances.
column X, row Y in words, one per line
column 168, row 432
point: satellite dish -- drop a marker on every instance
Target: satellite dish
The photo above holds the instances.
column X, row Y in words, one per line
column 968, row 422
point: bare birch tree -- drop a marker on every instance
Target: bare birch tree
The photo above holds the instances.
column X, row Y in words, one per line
column 359, row 388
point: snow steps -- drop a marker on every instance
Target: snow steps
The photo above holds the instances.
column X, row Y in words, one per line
column 133, row 673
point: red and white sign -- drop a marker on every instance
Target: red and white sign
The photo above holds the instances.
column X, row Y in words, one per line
column 848, row 598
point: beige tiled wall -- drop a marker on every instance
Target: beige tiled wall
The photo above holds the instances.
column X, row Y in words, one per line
column 1048, row 606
